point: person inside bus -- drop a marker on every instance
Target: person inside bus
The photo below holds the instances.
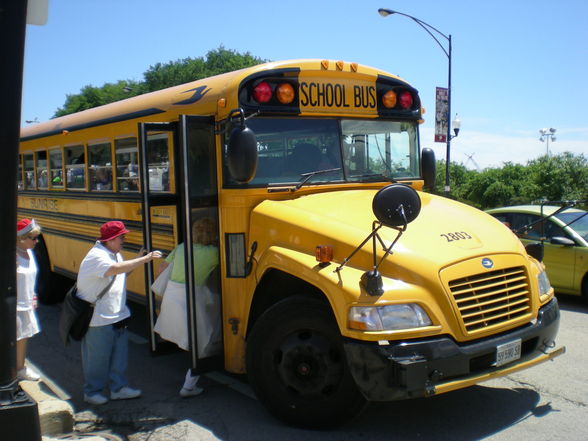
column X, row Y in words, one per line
column 27, row 325
column 105, row 345
column 103, row 179
column 172, row 322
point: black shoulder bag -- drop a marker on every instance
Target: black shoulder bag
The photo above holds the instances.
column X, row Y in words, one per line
column 76, row 314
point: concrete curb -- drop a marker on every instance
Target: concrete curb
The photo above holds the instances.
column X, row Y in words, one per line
column 56, row 416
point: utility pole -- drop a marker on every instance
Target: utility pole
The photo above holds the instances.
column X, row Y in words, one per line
column 19, row 415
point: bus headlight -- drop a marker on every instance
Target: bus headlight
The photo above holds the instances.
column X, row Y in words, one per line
column 388, row 317
column 544, row 284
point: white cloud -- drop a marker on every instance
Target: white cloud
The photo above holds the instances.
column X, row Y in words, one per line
column 492, row 150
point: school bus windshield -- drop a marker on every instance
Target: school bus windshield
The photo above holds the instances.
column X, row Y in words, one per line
column 358, row 150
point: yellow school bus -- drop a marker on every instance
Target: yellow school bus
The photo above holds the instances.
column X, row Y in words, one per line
column 341, row 281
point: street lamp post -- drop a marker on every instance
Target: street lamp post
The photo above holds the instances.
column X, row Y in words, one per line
column 428, row 28
column 546, row 134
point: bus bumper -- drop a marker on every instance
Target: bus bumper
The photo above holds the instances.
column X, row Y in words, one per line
column 417, row 368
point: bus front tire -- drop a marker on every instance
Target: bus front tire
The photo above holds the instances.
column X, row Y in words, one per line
column 297, row 367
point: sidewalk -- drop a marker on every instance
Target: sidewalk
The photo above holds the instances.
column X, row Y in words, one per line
column 56, row 415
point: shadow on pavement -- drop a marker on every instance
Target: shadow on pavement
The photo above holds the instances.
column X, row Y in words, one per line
column 222, row 413
column 573, row 303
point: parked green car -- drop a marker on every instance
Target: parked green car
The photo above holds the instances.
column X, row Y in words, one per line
column 565, row 234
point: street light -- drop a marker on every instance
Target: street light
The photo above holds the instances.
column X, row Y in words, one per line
column 546, row 134
column 428, row 28
column 456, row 123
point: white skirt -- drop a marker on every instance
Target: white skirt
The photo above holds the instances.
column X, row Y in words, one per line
column 27, row 324
column 172, row 322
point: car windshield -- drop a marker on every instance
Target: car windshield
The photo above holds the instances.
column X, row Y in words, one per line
column 344, row 150
column 578, row 221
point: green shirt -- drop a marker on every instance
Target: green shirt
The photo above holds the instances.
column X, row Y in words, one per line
column 205, row 260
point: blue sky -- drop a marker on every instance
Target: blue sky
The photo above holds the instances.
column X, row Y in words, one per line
column 518, row 65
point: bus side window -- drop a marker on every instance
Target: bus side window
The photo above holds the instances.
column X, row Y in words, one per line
column 56, row 168
column 158, row 162
column 75, row 167
column 29, row 172
column 41, row 163
column 127, row 164
column 19, row 180
column 100, row 166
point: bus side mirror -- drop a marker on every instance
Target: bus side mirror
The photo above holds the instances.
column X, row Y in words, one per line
column 242, row 153
column 428, row 168
column 396, row 205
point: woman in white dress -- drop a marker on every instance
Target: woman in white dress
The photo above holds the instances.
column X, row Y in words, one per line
column 172, row 322
column 27, row 325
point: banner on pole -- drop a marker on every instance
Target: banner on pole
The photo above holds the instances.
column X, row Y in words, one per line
column 441, row 116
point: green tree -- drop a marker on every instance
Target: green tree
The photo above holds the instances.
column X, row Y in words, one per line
column 159, row 76
column 555, row 178
column 560, row 177
column 459, row 177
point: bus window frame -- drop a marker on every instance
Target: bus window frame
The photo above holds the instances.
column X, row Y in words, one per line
column 34, row 181
column 169, row 140
column 52, row 186
column 85, row 168
column 90, row 147
column 118, row 177
column 39, row 170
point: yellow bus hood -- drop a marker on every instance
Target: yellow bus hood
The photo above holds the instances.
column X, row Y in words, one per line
column 445, row 232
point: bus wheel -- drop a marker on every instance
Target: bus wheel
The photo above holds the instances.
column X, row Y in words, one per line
column 297, row 366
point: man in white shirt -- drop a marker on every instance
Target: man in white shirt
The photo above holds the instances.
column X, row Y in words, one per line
column 105, row 345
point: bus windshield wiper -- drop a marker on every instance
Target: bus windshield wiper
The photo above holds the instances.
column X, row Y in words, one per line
column 306, row 176
column 283, row 186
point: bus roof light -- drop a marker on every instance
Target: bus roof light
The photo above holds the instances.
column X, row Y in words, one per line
column 406, row 100
column 262, row 93
column 285, row 93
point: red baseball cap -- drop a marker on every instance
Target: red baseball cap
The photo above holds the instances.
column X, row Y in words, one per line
column 111, row 230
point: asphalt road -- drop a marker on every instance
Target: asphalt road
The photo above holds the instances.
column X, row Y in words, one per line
column 548, row 402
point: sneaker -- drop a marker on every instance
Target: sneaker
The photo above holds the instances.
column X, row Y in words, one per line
column 125, row 393
column 190, row 380
column 27, row 374
column 191, row 392
column 96, row 399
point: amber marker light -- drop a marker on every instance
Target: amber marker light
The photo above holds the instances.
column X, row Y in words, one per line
column 324, row 253
column 285, row 93
column 389, row 99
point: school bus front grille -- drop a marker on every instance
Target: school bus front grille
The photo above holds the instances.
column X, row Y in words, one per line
column 492, row 298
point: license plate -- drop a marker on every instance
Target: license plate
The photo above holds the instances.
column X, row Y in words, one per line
column 508, row 352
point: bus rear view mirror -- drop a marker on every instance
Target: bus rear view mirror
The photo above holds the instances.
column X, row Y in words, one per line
column 396, row 205
column 428, row 168
column 242, row 152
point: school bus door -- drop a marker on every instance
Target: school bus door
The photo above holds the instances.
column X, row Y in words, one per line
column 197, row 198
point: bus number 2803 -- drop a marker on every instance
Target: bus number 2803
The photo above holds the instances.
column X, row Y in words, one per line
column 458, row 235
